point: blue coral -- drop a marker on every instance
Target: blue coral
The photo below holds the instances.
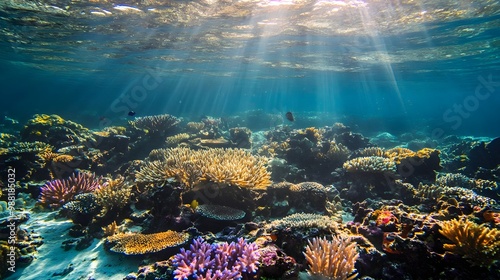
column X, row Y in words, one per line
column 206, row 261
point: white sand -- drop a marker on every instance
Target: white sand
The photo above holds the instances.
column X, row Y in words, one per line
column 92, row 262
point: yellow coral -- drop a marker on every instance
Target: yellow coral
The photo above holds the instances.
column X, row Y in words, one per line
column 332, row 259
column 174, row 140
column 370, row 164
column 137, row 243
column 190, row 167
column 114, row 194
column 478, row 244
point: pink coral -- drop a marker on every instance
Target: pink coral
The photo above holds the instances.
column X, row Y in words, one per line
column 58, row 192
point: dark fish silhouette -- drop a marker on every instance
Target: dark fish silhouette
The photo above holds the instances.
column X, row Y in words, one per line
column 289, row 116
column 131, row 113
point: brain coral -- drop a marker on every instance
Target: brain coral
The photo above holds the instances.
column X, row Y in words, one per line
column 138, row 243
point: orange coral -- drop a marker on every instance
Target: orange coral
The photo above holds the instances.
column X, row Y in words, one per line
column 332, row 259
column 479, row 244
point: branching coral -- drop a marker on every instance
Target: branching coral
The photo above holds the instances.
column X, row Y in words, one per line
column 58, row 192
column 138, row 243
column 478, row 244
column 332, row 259
column 370, row 165
column 218, row 261
column 190, row 167
column 156, row 123
column 114, row 194
column 174, row 140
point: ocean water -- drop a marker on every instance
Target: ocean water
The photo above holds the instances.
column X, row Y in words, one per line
column 396, row 64
column 424, row 68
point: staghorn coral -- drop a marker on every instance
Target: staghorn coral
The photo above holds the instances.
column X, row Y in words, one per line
column 175, row 140
column 332, row 259
column 478, row 244
column 195, row 127
column 114, row 194
column 371, row 164
column 58, row 192
column 138, row 243
column 371, row 151
column 219, row 212
column 218, row 261
column 190, row 167
column 156, row 123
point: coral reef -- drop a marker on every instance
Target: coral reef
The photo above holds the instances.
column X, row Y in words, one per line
column 333, row 259
column 138, row 243
column 58, row 192
column 55, row 131
column 218, row 261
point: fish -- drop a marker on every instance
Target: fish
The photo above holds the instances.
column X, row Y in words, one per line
column 289, row 116
column 131, row 113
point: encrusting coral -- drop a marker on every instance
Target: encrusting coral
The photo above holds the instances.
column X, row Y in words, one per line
column 478, row 244
column 189, row 167
column 332, row 259
column 138, row 243
column 58, row 192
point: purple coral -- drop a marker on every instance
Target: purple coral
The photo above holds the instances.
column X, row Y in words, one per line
column 217, row 261
column 58, row 192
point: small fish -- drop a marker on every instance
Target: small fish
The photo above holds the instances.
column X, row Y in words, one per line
column 289, row 116
column 131, row 113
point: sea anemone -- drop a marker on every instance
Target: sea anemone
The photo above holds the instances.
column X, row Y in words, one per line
column 58, row 192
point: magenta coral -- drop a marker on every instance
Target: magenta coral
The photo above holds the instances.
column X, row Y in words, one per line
column 218, row 261
column 58, row 192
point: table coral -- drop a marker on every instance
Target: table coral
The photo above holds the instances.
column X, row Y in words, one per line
column 138, row 243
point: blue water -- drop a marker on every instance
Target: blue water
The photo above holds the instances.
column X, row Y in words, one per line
column 436, row 73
